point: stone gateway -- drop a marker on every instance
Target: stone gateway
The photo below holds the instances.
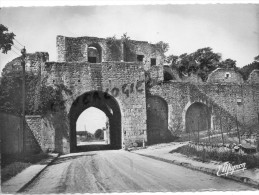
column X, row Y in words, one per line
column 125, row 80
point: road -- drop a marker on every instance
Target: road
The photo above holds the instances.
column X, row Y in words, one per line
column 121, row 171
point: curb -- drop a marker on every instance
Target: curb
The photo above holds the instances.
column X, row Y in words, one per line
column 244, row 180
column 51, row 159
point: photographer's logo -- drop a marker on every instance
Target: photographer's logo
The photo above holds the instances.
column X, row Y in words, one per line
column 227, row 168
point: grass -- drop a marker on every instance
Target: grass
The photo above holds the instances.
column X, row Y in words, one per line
column 251, row 160
column 12, row 164
column 13, row 169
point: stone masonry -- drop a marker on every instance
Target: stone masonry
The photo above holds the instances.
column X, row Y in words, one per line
column 126, row 81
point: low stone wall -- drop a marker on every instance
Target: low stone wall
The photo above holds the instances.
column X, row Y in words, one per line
column 12, row 138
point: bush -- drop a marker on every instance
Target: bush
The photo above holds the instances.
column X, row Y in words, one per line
column 252, row 161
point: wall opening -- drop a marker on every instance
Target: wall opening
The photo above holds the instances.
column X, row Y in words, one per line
column 94, row 53
column 157, row 120
column 140, row 58
column 104, row 103
column 153, row 61
column 92, row 128
column 227, row 75
column 198, row 118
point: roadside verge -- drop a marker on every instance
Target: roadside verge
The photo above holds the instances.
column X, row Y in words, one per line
column 249, row 177
column 27, row 176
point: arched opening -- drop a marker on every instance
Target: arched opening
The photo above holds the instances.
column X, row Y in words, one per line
column 168, row 76
column 94, row 53
column 104, row 103
column 157, row 120
column 198, row 118
column 92, row 127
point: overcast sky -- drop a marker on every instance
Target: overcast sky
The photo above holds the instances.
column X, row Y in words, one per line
column 231, row 30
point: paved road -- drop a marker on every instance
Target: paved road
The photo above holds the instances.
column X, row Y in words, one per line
column 121, row 171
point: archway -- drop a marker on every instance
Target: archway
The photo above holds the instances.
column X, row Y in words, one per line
column 94, row 53
column 107, row 104
column 197, row 118
column 157, row 120
column 92, row 127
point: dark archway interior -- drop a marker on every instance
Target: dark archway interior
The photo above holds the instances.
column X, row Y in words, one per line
column 94, row 53
column 197, row 118
column 157, row 120
column 105, row 103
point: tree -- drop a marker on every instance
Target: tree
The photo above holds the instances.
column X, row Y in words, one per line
column 6, row 39
column 172, row 59
column 228, row 63
column 99, row 134
column 202, row 62
column 246, row 70
column 256, row 58
column 162, row 47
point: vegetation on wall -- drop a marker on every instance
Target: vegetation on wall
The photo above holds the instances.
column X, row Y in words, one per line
column 204, row 61
column 162, row 47
column 38, row 101
column 246, row 70
column 115, row 47
column 11, row 92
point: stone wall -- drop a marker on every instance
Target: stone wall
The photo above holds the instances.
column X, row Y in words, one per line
column 33, row 63
column 123, row 81
column 221, row 75
column 12, row 136
column 157, row 120
column 254, row 77
column 10, row 126
column 221, row 100
column 71, row 49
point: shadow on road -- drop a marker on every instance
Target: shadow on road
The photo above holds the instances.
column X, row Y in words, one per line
column 69, row 158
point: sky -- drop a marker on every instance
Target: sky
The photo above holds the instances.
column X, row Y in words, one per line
column 91, row 120
column 231, row 30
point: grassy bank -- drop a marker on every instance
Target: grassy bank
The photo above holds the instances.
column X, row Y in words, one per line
column 13, row 164
column 251, row 160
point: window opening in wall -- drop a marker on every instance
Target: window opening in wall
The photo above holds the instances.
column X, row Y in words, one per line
column 92, row 59
column 153, row 61
column 227, row 75
column 94, row 53
column 140, row 58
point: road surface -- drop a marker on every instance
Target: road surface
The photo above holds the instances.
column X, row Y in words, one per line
column 121, row 171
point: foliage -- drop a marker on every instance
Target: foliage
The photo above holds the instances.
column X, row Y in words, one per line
column 162, row 47
column 202, row 62
column 99, row 134
column 125, row 38
column 228, row 63
column 246, row 70
column 50, row 98
column 113, row 41
column 6, row 39
column 233, row 157
column 13, row 169
column 115, row 46
column 11, row 92
column 12, row 164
